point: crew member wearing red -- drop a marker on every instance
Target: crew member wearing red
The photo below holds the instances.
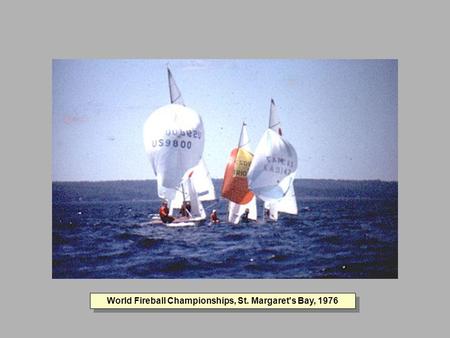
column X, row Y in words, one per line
column 214, row 219
column 164, row 213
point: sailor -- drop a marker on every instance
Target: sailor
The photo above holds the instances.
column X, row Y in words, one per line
column 266, row 213
column 184, row 212
column 188, row 206
column 164, row 213
column 213, row 217
column 244, row 216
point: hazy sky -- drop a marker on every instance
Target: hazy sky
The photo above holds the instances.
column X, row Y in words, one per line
column 340, row 115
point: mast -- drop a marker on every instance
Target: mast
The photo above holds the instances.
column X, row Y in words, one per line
column 182, row 191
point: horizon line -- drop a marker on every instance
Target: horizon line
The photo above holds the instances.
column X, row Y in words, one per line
column 215, row 178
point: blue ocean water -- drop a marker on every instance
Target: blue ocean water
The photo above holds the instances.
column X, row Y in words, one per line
column 345, row 229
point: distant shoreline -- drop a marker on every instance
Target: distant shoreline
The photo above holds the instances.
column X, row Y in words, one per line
column 147, row 189
column 221, row 179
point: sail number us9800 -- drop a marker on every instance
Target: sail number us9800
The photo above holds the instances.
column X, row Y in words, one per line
column 174, row 143
column 177, row 143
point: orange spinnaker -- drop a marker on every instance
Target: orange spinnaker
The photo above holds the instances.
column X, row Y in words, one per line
column 235, row 184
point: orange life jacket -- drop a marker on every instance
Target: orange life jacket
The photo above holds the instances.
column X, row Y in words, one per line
column 163, row 211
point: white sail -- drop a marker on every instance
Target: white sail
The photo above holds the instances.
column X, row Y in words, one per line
column 272, row 210
column 274, row 162
column 202, row 182
column 175, row 93
column 272, row 172
column 288, row 204
column 274, row 121
column 171, row 205
column 174, row 142
column 244, row 140
column 235, row 211
column 197, row 210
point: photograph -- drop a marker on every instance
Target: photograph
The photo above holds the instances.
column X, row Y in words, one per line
column 224, row 168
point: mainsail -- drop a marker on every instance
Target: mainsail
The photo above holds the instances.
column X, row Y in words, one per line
column 201, row 180
column 288, row 204
column 235, row 185
column 274, row 121
column 197, row 210
column 175, row 93
column 271, row 174
column 174, row 142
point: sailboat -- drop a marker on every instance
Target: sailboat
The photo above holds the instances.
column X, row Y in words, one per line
column 235, row 186
column 197, row 212
column 272, row 171
column 174, row 141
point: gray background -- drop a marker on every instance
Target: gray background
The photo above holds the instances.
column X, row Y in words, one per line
column 33, row 34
